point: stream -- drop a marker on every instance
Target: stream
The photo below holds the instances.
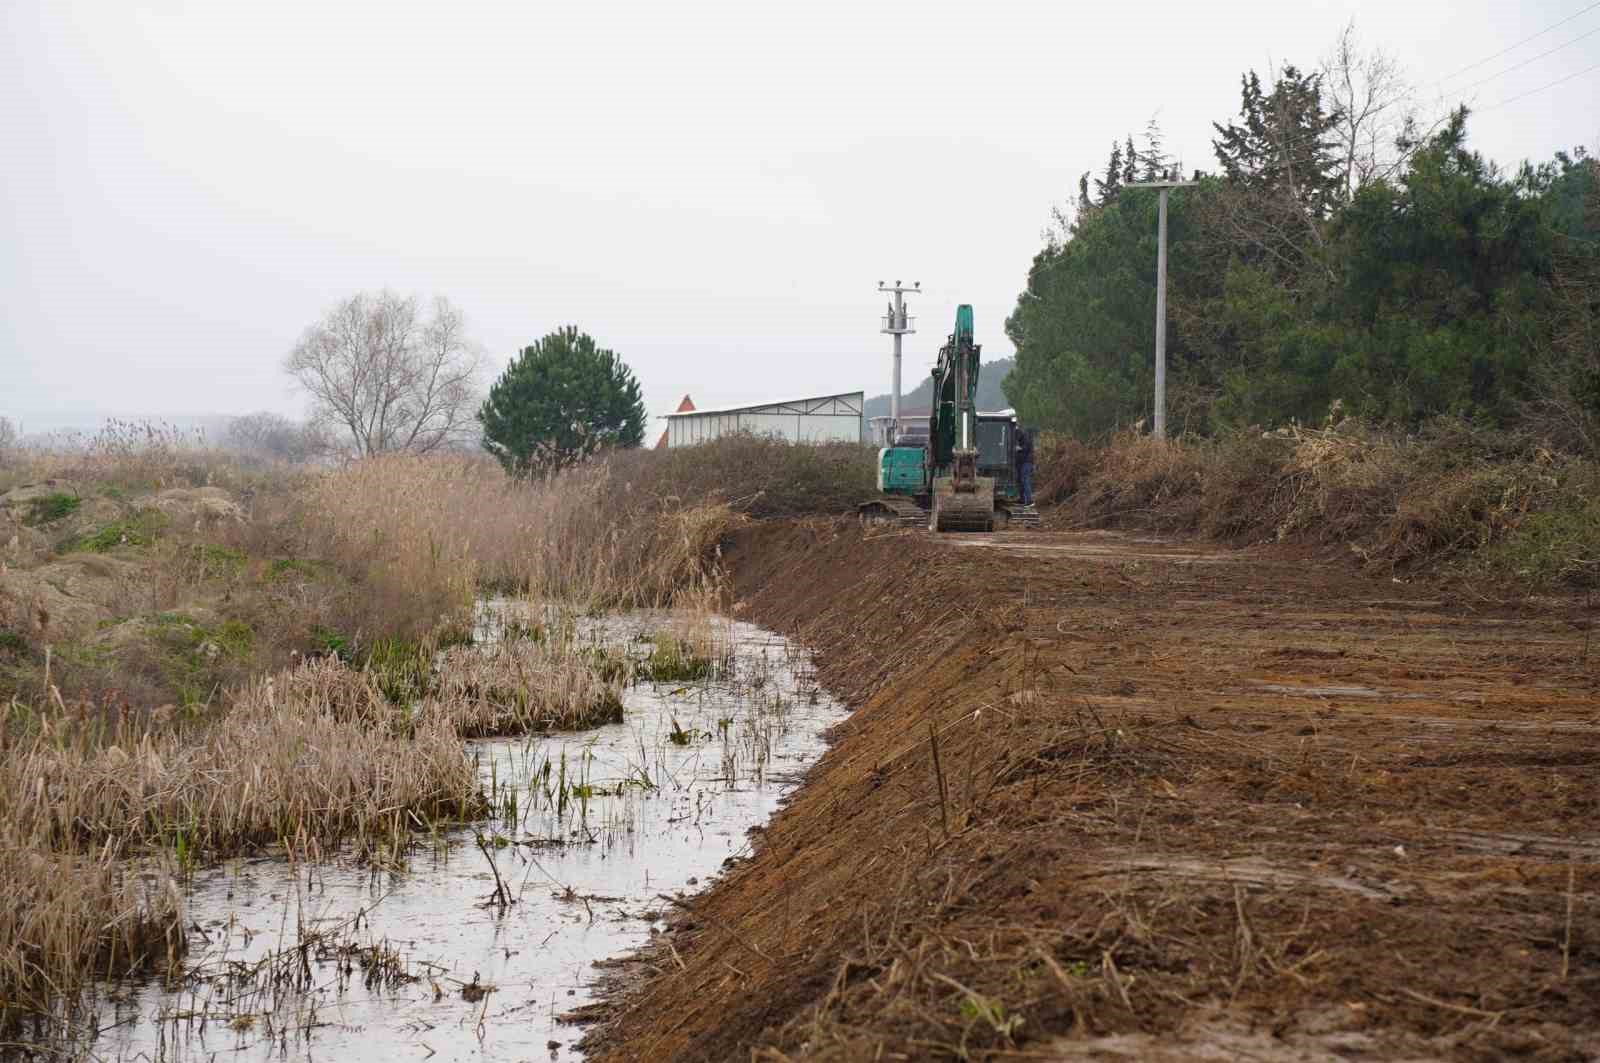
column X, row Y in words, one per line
column 593, row 833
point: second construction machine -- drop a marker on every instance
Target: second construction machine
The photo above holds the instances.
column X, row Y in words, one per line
column 964, row 478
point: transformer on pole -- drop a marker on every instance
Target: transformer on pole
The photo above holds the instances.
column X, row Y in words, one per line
column 897, row 324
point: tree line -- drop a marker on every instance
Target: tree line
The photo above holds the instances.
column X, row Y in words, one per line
column 387, row 373
column 1342, row 258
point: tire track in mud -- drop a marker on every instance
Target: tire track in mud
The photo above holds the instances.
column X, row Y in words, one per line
column 1262, row 804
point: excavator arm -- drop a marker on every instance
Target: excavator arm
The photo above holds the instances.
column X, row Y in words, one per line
column 962, row 500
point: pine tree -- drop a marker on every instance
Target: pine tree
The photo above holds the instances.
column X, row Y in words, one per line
column 1283, row 142
column 1157, row 167
column 558, row 401
column 1109, row 185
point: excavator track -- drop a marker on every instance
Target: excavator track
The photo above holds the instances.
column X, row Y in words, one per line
column 890, row 510
column 1017, row 516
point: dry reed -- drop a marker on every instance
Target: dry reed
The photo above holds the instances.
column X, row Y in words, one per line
column 67, row 916
column 281, row 765
column 522, row 685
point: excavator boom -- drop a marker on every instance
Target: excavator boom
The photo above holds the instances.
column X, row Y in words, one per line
column 962, row 500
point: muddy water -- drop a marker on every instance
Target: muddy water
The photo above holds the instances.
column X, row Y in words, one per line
column 338, row 961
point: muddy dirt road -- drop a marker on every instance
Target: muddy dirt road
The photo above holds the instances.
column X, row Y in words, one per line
column 1119, row 799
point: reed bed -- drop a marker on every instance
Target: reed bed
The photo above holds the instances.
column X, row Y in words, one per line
column 693, row 643
column 67, row 916
column 522, row 685
column 96, row 819
column 289, row 762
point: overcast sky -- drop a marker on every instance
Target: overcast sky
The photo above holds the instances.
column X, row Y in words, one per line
column 714, row 190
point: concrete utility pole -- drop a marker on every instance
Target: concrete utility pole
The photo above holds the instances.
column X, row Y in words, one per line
column 897, row 324
column 1160, row 427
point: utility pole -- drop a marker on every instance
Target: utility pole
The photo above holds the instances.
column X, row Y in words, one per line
column 1160, row 427
column 897, row 324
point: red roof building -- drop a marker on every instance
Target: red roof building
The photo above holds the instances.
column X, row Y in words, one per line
column 686, row 406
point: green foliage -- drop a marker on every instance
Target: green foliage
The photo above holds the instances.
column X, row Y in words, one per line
column 141, row 529
column 12, row 643
column 329, row 643
column 1449, row 289
column 194, row 660
column 610, row 665
column 216, row 562
column 285, row 568
column 671, row 661
column 559, row 400
column 403, row 670
column 1559, row 546
column 50, row 508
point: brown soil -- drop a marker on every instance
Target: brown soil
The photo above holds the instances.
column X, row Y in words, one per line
column 1182, row 803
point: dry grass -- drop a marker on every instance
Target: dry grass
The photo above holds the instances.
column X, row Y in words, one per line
column 1451, row 493
column 291, row 761
column 372, row 560
column 757, row 476
column 96, row 819
column 522, row 685
column 421, row 535
column 131, row 457
column 66, row 916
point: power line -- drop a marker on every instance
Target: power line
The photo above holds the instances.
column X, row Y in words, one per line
column 1519, row 44
column 1541, row 88
column 1525, row 62
column 1283, row 145
column 1304, row 137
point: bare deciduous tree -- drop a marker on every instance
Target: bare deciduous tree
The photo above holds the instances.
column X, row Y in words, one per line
column 393, row 379
column 8, row 437
column 1376, row 106
column 272, row 435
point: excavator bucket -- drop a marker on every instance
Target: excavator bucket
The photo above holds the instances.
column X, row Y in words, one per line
column 955, row 510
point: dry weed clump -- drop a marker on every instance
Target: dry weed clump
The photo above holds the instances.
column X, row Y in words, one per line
column 131, row 457
column 522, row 685
column 288, row 764
column 597, row 539
column 97, row 813
column 1448, row 492
column 1138, row 479
column 757, row 476
column 407, row 530
column 67, row 917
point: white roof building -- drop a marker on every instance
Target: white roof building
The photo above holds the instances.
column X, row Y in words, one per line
column 823, row 419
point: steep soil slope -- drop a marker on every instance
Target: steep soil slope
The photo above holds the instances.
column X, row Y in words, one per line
column 1107, row 798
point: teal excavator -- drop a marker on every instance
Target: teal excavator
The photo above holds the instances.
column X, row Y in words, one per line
column 964, row 476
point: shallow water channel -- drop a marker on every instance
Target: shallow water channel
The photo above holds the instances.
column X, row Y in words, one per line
column 339, row 961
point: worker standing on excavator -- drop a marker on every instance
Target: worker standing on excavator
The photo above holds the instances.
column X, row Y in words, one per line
column 1025, row 464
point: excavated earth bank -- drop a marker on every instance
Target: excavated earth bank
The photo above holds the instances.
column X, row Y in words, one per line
column 1113, row 798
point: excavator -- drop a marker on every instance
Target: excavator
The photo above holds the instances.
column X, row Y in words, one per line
column 964, row 477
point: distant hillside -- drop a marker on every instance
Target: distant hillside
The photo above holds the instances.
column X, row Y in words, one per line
column 990, row 397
